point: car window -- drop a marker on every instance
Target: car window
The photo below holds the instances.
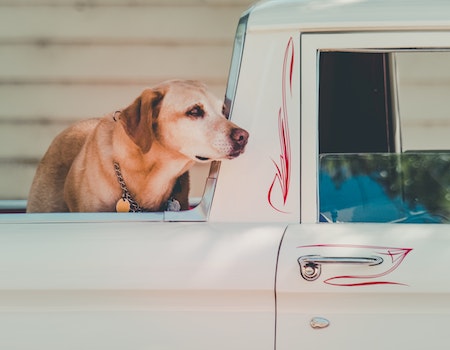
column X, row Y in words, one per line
column 38, row 104
column 385, row 187
column 384, row 150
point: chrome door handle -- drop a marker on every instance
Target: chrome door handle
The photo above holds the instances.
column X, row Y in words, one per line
column 311, row 265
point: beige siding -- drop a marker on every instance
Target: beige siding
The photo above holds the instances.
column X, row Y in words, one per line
column 63, row 60
column 424, row 91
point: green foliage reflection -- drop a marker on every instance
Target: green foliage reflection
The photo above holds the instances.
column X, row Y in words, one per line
column 420, row 181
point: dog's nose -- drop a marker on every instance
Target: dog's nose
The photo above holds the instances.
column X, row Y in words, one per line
column 240, row 136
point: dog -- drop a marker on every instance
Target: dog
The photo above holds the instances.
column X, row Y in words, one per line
column 136, row 159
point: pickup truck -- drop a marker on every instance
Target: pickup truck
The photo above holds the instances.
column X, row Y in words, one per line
column 330, row 231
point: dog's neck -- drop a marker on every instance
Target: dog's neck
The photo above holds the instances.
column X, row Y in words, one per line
column 150, row 176
column 127, row 203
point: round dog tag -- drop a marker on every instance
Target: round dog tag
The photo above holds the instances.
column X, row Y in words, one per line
column 122, row 206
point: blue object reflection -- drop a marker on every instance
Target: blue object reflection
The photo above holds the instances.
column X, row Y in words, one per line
column 404, row 188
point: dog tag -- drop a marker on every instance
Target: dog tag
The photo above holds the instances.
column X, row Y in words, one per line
column 173, row 205
column 122, row 206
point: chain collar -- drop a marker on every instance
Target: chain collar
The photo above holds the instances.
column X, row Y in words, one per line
column 126, row 195
column 127, row 199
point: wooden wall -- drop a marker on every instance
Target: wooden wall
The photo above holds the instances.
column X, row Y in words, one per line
column 424, row 90
column 63, row 60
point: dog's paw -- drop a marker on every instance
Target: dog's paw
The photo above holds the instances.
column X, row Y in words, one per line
column 173, row 205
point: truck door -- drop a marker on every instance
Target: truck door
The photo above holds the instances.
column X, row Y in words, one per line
column 367, row 267
column 363, row 286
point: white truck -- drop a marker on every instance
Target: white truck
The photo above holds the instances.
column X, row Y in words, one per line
column 329, row 232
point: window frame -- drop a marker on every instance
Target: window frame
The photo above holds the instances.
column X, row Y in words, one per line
column 311, row 45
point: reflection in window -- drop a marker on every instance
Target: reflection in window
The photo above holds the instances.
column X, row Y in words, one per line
column 385, row 187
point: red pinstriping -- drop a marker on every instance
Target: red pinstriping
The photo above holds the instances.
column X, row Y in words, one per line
column 395, row 257
column 282, row 176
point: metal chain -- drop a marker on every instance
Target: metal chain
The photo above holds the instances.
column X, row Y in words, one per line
column 134, row 206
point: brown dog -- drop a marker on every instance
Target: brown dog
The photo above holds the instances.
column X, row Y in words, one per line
column 141, row 154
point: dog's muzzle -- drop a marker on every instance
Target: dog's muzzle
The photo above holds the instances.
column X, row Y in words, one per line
column 240, row 138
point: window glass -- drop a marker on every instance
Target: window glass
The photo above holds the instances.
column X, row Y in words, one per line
column 383, row 136
column 385, row 187
column 424, row 103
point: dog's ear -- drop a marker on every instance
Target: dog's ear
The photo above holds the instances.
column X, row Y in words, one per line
column 137, row 119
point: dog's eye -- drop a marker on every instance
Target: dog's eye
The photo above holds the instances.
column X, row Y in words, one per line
column 196, row 111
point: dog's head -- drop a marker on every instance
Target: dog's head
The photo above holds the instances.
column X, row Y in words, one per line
column 184, row 117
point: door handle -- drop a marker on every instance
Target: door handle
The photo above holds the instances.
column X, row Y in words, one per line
column 311, row 265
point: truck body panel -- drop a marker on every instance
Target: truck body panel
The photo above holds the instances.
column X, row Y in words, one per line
column 331, row 230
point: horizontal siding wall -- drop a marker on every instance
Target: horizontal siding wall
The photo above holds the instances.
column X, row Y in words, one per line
column 424, row 90
column 65, row 60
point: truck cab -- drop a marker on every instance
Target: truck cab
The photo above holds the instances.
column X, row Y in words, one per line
column 322, row 234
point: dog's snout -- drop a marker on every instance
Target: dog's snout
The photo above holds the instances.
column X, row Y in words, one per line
column 240, row 136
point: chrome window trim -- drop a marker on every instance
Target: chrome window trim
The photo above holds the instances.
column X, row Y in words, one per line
column 235, row 66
